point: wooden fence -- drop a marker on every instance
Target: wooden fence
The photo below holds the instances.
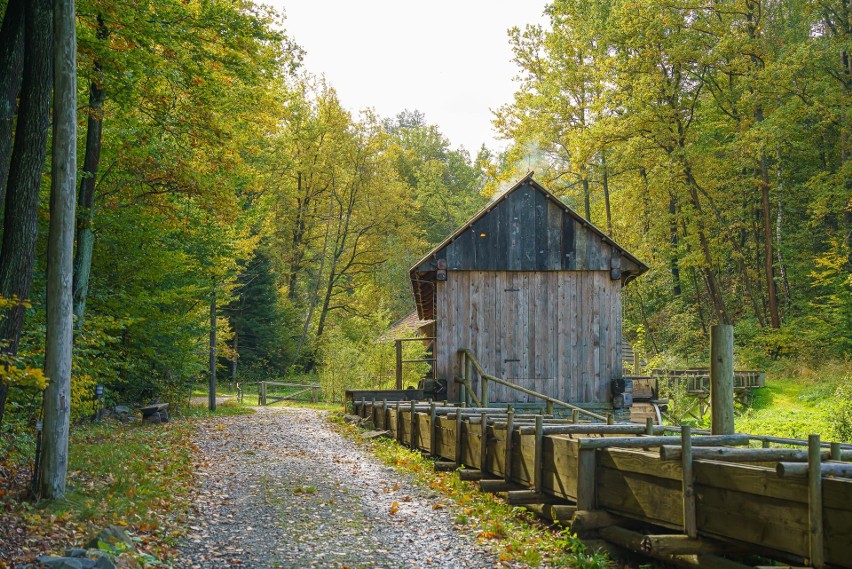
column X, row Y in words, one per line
column 681, row 496
column 292, row 391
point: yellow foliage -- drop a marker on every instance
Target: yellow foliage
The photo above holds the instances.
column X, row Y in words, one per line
column 27, row 377
column 83, row 403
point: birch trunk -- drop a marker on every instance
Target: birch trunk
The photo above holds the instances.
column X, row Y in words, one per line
column 60, row 324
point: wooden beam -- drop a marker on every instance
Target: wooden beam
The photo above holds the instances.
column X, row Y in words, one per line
column 739, row 454
column 444, row 466
column 815, row 525
column 493, row 486
column 413, row 426
column 585, row 521
column 689, row 524
column 586, row 479
column 459, row 441
column 678, row 544
column 521, row 497
column 538, row 456
column 433, row 428
column 801, row 469
column 633, row 541
column 507, row 470
column 647, row 442
column 593, row 429
column 470, row 474
column 483, row 442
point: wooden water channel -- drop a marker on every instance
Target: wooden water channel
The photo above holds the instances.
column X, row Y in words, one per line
column 684, row 497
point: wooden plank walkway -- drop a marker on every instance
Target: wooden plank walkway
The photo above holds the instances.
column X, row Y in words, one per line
column 740, row 500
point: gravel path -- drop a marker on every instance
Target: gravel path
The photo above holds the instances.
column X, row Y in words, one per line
column 281, row 489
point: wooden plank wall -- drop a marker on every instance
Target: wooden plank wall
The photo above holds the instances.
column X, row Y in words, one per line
column 529, row 231
column 556, row 332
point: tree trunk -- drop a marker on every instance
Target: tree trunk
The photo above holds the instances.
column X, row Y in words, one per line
column 11, row 67
column 20, row 216
column 674, row 267
column 778, row 229
column 712, row 284
column 86, row 198
column 606, row 195
column 211, row 395
column 587, row 198
column 60, row 255
column 774, row 319
column 234, row 360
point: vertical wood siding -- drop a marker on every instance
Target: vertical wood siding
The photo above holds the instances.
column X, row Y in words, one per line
column 556, row 332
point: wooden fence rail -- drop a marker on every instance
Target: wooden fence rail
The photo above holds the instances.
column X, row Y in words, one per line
column 702, row 496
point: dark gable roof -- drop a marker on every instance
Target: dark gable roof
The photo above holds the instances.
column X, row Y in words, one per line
column 526, row 229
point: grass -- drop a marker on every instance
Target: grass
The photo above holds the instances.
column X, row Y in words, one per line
column 514, row 533
column 798, row 401
column 134, row 475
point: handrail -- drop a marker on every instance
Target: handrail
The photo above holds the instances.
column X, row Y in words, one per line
column 468, row 357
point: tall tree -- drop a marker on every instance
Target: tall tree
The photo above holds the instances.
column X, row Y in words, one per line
column 60, row 254
column 86, row 199
column 11, row 65
column 20, row 215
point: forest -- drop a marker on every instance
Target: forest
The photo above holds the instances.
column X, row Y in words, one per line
column 228, row 203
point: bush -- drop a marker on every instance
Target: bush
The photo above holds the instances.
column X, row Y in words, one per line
column 841, row 407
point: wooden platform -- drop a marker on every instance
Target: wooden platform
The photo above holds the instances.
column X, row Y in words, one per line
column 741, row 503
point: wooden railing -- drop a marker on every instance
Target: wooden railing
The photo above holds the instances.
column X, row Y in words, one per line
column 468, row 362
column 263, row 397
column 399, row 360
column 698, row 380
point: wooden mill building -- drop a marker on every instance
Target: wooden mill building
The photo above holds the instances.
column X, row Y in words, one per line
column 534, row 291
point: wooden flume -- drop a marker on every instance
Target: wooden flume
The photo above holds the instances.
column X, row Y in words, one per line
column 600, row 479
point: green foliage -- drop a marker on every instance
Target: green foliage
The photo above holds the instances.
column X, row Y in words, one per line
column 355, row 357
column 841, row 410
column 701, row 140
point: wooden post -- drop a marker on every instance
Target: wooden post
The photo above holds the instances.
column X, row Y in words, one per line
column 610, row 419
column 468, row 372
column 373, row 413
column 398, row 423
column 483, row 393
column 398, row 363
column 459, row 439
column 413, row 441
column 575, row 416
column 483, row 449
column 510, row 427
column 548, row 408
column 689, row 523
column 836, row 451
column 539, row 452
column 211, row 388
column 433, row 427
column 649, row 426
column 384, row 415
column 586, row 482
column 722, row 379
column 815, row 503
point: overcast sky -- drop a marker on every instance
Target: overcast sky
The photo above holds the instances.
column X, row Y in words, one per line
column 448, row 59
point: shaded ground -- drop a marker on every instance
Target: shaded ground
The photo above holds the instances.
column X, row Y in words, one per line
column 281, row 489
